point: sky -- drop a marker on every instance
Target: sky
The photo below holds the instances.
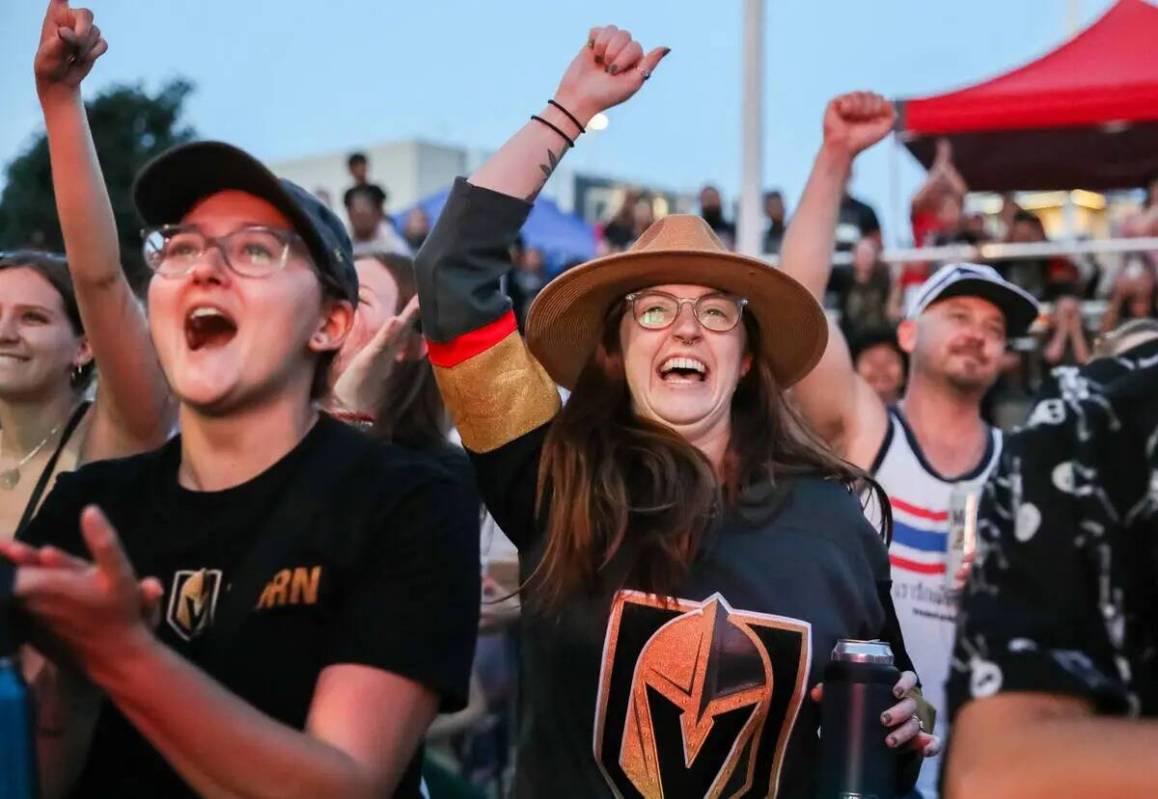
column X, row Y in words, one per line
column 293, row 78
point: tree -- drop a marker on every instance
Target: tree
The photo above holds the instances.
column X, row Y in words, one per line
column 129, row 127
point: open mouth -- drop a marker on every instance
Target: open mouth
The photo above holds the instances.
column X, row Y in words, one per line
column 206, row 326
column 683, row 370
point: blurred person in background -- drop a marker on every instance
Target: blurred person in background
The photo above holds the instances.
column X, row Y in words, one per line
column 712, row 211
column 868, row 300
column 60, row 320
column 1134, row 295
column 777, row 216
column 371, row 229
column 880, row 362
column 1068, row 344
column 415, row 228
column 1044, row 277
column 525, row 281
column 359, row 168
column 934, row 440
column 928, row 212
column 619, row 231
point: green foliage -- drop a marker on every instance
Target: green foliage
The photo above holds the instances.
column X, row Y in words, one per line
column 129, row 127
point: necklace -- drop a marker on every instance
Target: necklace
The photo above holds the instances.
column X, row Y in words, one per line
column 9, row 478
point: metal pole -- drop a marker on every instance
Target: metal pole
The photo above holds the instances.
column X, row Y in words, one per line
column 750, row 222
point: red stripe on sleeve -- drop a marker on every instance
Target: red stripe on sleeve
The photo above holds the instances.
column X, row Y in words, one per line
column 471, row 344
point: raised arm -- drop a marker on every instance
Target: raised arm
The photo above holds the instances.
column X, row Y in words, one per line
column 494, row 388
column 134, row 410
column 836, row 402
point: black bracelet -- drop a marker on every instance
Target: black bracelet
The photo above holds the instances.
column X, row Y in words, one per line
column 569, row 115
column 538, row 118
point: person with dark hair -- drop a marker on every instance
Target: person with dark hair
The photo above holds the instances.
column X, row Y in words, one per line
column 382, row 374
column 933, row 445
column 687, row 548
column 61, row 319
column 712, row 211
column 869, row 300
column 359, row 168
column 371, row 228
column 777, row 221
column 321, row 587
column 880, row 362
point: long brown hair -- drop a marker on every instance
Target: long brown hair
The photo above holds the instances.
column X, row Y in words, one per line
column 611, row 482
column 412, row 412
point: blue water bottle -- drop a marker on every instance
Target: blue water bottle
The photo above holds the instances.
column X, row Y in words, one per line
column 17, row 741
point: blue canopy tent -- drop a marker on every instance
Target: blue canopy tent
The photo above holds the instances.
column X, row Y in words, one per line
column 563, row 238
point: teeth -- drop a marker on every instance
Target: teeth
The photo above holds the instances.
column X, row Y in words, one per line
column 684, row 363
column 201, row 313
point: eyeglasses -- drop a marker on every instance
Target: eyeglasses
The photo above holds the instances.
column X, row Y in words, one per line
column 252, row 251
column 656, row 310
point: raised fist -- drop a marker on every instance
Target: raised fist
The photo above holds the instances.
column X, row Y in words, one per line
column 69, row 45
column 610, row 68
column 856, row 121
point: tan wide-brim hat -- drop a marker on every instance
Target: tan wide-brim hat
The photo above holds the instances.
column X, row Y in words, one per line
column 566, row 319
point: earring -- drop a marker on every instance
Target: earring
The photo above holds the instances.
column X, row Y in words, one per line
column 77, row 374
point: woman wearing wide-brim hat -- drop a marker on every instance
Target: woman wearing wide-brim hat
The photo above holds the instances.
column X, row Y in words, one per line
column 690, row 552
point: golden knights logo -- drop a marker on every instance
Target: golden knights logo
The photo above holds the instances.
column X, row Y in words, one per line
column 192, row 601
column 697, row 699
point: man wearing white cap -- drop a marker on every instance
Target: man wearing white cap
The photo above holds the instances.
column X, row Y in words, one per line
column 933, row 445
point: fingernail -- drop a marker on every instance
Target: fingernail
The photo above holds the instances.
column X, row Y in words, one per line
column 666, row 50
column 885, row 718
column 613, row 69
column 891, row 741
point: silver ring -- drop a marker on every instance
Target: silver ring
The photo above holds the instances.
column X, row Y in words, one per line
column 920, row 724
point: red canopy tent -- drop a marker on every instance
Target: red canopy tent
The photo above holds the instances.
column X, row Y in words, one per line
column 1082, row 116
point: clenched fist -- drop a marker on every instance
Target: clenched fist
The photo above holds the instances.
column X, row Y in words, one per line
column 856, row 121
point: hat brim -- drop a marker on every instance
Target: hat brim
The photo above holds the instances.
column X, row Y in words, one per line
column 170, row 185
column 566, row 319
column 1017, row 306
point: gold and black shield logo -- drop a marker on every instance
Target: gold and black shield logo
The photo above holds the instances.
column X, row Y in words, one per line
column 697, row 699
column 192, row 601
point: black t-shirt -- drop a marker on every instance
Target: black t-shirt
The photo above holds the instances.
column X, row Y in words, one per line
column 346, row 550
column 606, row 682
column 1063, row 596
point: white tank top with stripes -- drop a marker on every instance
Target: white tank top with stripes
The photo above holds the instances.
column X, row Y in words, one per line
column 925, row 606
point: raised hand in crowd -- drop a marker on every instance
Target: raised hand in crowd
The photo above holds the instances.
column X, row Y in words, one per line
column 609, row 69
column 362, row 384
column 837, row 404
column 134, row 410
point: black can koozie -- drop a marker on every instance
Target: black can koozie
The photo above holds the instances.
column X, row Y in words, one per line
column 855, row 761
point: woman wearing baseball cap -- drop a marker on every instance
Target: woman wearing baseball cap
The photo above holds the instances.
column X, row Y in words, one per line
column 690, row 553
column 310, row 599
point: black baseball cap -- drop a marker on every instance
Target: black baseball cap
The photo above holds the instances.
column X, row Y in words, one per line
column 177, row 179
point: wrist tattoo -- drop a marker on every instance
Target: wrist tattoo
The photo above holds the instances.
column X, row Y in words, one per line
column 547, row 169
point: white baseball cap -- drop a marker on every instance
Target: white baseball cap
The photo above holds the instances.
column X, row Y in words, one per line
column 976, row 280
